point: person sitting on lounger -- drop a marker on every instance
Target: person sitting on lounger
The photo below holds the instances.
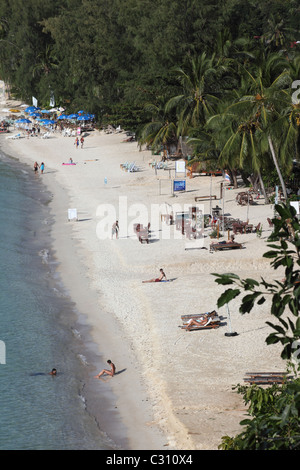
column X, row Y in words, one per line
column 160, row 278
column 202, row 321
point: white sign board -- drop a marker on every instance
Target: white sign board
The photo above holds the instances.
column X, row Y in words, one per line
column 72, row 214
column 295, row 204
column 180, row 168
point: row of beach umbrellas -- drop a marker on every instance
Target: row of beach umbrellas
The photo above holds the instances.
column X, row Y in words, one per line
column 36, row 113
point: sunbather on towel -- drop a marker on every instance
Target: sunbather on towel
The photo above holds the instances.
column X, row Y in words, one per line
column 160, row 278
column 202, row 321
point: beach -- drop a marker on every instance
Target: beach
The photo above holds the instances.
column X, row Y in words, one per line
column 173, row 388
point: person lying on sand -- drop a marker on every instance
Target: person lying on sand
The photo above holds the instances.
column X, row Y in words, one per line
column 160, row 278
column 110, row 372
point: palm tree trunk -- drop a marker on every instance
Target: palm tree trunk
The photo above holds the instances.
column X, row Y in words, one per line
column 263, row 189
column 277, row 167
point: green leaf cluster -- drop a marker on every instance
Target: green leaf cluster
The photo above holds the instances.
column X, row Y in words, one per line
column 274, row 412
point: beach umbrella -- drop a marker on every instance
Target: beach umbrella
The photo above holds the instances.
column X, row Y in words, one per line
column 31, row 109
column 45, row 111
column 23, row 121
column 63, row 116
column 73, row 116
column 230, row 332
column 47, row 121
column 81, row 112
column 83, row 118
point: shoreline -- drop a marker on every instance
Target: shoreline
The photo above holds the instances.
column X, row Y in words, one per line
column 174, row 391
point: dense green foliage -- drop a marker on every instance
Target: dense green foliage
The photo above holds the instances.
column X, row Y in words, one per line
column 274, row 412
column 168, row 70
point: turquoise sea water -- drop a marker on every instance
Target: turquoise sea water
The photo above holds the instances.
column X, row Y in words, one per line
column 37, row 411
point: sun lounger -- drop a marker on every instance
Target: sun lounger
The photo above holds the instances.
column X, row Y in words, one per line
column 201, row 198
column 143, row 236
column 225, row 246
column 16, row 136
column 213, row 313
column 46, row 135
column 142, row 232
column 267, row 378
column 212, row 323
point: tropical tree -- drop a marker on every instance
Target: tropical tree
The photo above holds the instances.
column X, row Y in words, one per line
column 252, row 116
column 196, row 102
column 161, row 131
column 275, row 411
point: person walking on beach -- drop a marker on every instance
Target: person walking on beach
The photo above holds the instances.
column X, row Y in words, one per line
column 35, row 167
column 115, row 229
column 160, row 278
column 82, row 142
column 76, row 143
column 110, row 372
column 42, row 167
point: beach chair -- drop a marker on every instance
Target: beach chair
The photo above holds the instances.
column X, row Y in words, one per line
column 225, row 246
column 190, row 316
column 143, row 236
column 210, row 323
column 267, row 378
column 46, row 135
column 133, row 168
column 257, row 228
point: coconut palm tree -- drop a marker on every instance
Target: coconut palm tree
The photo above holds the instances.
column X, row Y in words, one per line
column 196, row 101
column 259, row 106
column 161, row 130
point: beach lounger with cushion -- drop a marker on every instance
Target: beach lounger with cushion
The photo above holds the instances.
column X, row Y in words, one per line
column 46, row 135
column 213, row 313
column 212, row 323
column 225, row 246
column 15, row 136
column 267, row 378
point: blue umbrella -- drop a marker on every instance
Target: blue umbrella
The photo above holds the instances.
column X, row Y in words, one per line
column 81, row 112
column 83, row 118
column 63, row 116
column 23, row 120
column 47, row 121
column 73, row 116
column 44, row 111
column 30, row 109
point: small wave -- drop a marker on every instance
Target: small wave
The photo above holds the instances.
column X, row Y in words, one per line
column 76, row 333
column 83, row 360
column 83, row 400
column 44, row 254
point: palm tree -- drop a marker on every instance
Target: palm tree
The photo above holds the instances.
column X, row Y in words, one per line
column 260, row 106
column 161, row 130
column 195, row 102
column 237, row 137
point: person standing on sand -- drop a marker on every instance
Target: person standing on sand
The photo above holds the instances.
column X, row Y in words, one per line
column 82, row 142
column 42, row 167
column 76, row 143
column 115, row 229
column 110, row 372
column 35, row 167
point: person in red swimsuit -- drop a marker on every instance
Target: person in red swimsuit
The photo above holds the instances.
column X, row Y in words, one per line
column 160, row 278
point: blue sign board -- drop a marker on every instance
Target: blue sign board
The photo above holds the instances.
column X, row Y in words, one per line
column 179, row 185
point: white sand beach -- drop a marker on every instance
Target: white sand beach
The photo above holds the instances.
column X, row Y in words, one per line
column 175, row 389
